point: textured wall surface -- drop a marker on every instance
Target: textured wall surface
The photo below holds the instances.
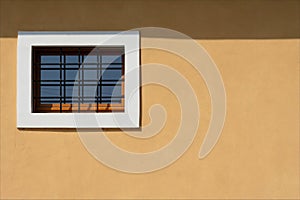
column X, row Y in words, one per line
column 256, row 47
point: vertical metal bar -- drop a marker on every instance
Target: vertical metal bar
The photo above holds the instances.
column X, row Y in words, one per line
column 97, row 86
column 83, row 83
column 123, row 79
column 60, row 81
column 64, row 78
column 101, row 73
column 79, row 79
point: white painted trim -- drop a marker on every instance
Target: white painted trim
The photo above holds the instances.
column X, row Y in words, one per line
column 127, row 119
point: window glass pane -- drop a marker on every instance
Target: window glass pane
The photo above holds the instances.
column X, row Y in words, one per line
column 89, row 66
column 90, row 59
column 49, row 100
column 108, row 91
column 111, row 100
column 50, row 75
column 111, row 59
column 72, row 59
column 50, row 59
column 90, row 91
column 90, row 75
column 74, row 66
column 50, row 91
column 71, row 75
column 44, row 82
column 111, row 75
column 46, row 66
column 90, row 100
column 71, row 91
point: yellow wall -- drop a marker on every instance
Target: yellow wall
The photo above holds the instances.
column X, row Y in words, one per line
column 255, row 44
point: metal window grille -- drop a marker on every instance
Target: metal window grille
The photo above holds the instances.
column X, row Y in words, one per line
column 78, row 79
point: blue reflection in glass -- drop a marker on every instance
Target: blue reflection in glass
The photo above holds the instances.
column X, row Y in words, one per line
column 111, row 59
column 50, row 59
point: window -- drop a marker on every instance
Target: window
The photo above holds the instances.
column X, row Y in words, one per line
column 64, row 77
column 78, row 79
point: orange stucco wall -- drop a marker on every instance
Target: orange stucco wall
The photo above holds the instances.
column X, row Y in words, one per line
column 256, row 47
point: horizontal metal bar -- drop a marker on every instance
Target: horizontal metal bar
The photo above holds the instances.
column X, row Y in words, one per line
column 80, row 63
column 39, row 81
column 81, row 101
column 82, row 84
column 103, row 97
column 85, row 68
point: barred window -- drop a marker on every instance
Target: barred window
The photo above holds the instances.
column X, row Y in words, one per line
column 77, row 79
column 70, row 79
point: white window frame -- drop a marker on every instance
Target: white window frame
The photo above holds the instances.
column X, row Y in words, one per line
column 130, row 118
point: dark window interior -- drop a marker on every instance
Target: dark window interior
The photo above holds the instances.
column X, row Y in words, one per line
column 78, row 79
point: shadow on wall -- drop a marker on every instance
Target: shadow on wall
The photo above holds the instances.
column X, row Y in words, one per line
column 225, row 19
